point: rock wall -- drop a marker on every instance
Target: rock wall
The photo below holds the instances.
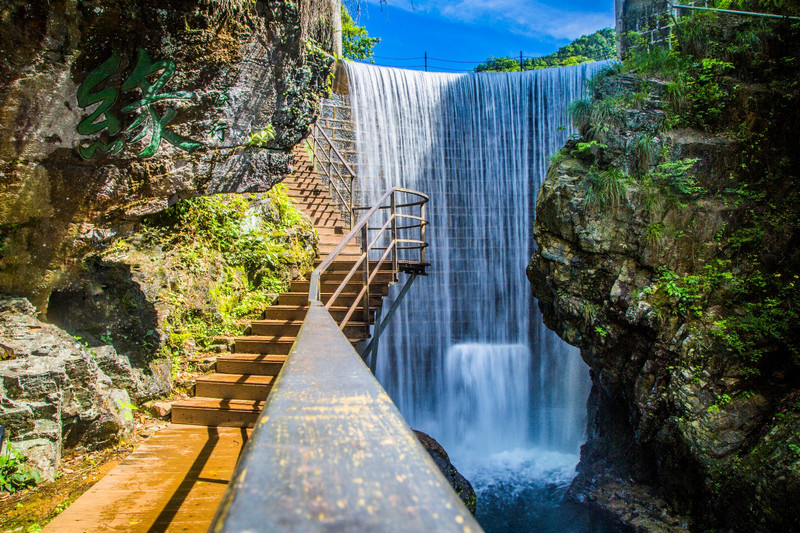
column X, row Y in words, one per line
column 643, row 278
column 113, row 110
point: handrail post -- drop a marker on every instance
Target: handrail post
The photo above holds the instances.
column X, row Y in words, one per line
column 330, row 161
column 351, row 207
column 422, row 233
column 395, row 259
column 365, row 277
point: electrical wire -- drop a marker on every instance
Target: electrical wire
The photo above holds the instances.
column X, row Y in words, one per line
column 399, row 58
column 454, row 61
column 446, row 69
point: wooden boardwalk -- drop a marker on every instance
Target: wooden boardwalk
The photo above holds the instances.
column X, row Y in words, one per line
column 174, row 481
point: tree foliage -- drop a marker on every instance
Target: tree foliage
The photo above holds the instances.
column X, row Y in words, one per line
column 595, row 47
column 356, row 42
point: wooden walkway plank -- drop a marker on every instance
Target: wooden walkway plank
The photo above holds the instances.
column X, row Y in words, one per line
column 174, row 481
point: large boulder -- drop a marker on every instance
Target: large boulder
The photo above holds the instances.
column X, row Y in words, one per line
column 53, row 394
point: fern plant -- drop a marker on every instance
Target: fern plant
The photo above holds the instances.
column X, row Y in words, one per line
column 646, row 148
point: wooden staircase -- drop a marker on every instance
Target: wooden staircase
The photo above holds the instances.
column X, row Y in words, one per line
column 235, row 394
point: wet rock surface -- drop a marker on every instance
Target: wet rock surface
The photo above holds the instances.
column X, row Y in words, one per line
column 460, row 484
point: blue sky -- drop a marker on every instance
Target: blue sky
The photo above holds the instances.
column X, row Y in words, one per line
column 472, row 30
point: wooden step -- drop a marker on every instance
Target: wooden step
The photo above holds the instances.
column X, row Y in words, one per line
column 354, row 285
column 319, row 211
column 350, row 250
column 344, row 299
column 316, row 205
column 326, row 220
column 310, row 194
column 336, row 277
column 234, row 386
column 325, row 214
column 263, row 345
column 312, row 200
column 255, row 344
column 287, row 312
column 217, row 412
column 325, row 248
column 335, row 239
column 342, row 231
column 329, row 222
column 258, row 364
column 345, row 262
column 266, row 328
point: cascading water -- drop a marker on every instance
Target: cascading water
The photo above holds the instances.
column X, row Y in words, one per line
column 467, row 358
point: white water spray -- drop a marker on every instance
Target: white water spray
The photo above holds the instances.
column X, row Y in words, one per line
column 467, row 358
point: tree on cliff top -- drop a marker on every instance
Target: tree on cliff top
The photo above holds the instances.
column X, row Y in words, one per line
column 356, row 42
column 598, row 46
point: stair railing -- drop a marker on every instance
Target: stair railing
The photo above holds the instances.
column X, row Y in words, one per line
column 330, row 161
column 391, row 238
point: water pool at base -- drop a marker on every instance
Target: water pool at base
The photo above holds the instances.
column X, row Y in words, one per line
column 522, row 491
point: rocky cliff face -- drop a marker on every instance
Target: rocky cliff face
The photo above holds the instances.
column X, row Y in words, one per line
column 650, row 260
column 113, row 110
column 109, row 113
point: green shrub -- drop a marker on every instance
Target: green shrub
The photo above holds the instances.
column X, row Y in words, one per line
column 607, row 188
column 253, row 248
column 14, row 475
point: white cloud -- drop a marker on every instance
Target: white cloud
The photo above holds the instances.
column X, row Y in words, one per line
column 531, row 18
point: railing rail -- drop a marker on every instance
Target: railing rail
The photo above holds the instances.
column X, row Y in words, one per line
column 331, row 452
column 387, row 239
column 330, row 162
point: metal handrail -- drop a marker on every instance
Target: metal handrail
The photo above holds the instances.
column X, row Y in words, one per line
column 731, row 12
column 330, row 167
column 361, row 230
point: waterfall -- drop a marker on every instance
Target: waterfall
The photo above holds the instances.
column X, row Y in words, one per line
column 467, row 357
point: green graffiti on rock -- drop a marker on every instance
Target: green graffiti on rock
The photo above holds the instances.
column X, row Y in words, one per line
column 147, row 124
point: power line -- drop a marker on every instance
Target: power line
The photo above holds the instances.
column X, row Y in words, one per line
column 397, row 66
column 398, row 58
column 454, row 61
column 449, row 69
column 477, row 61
